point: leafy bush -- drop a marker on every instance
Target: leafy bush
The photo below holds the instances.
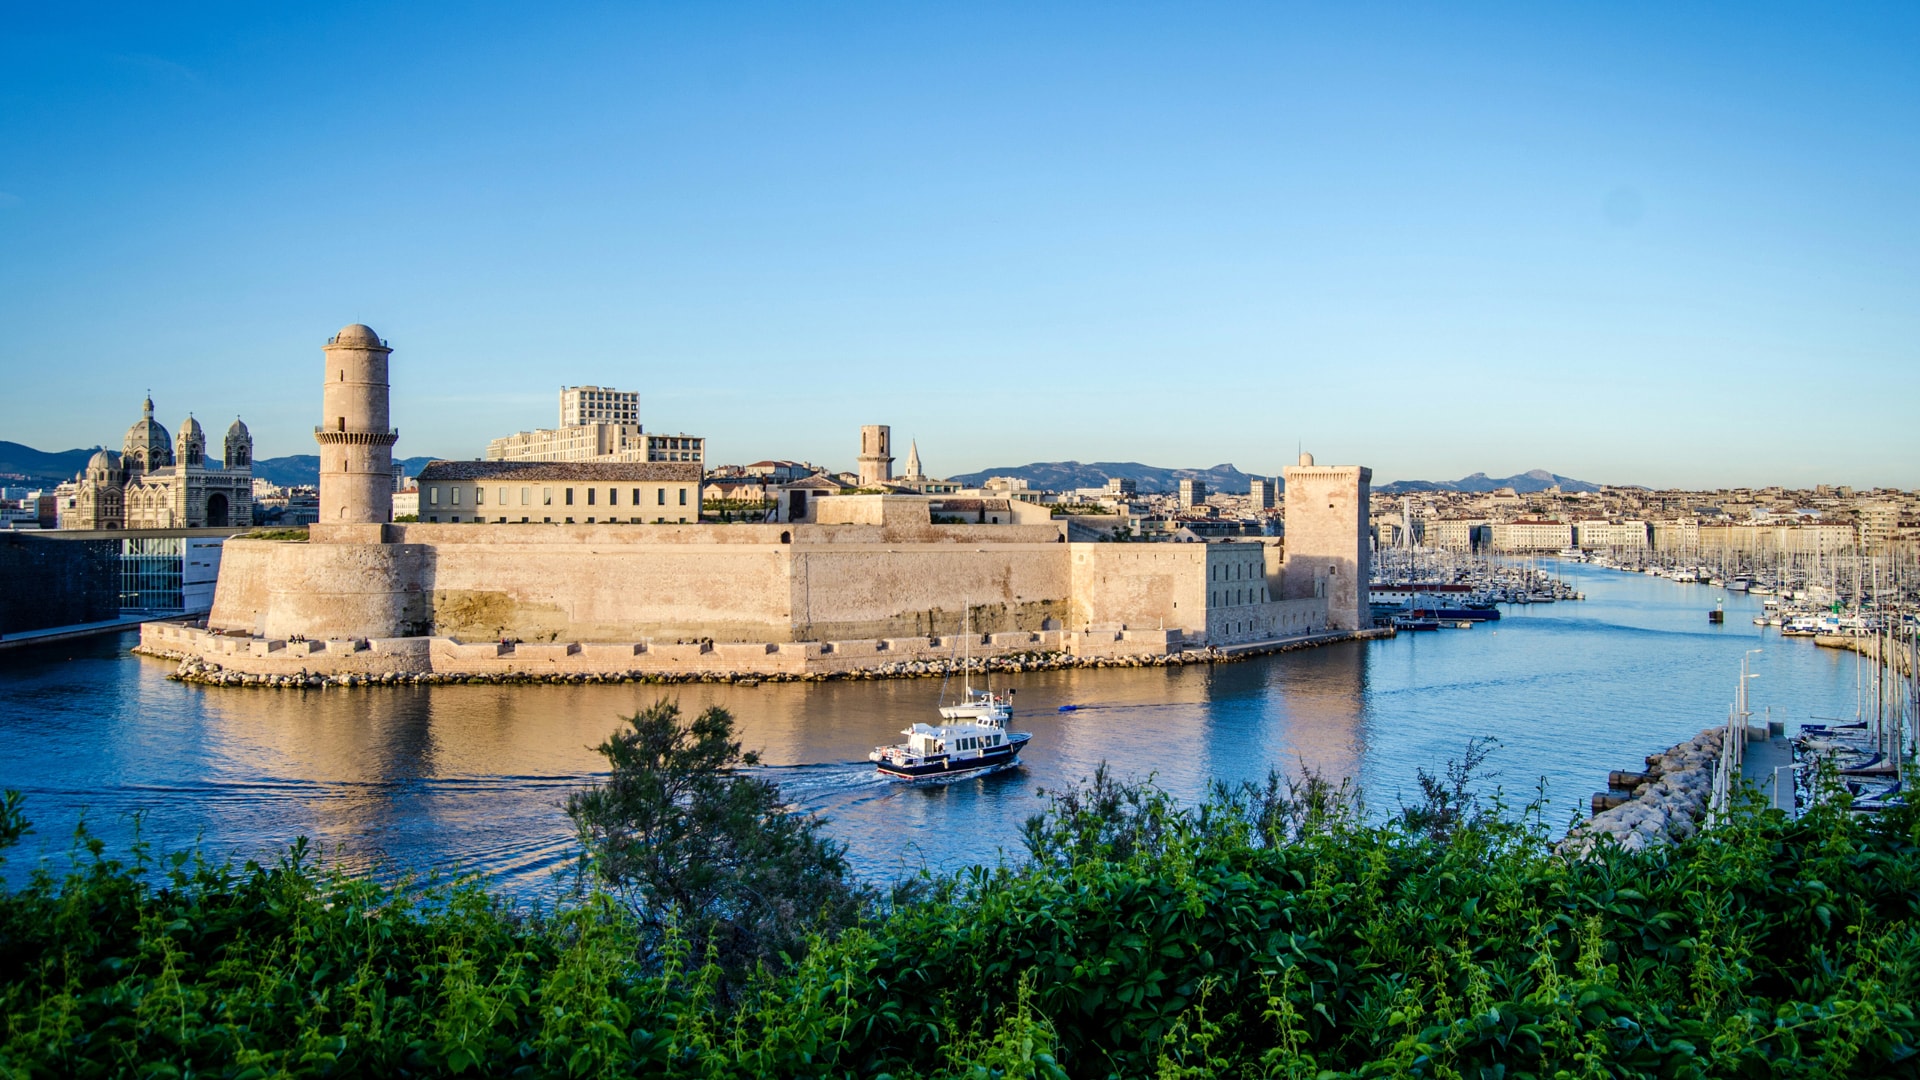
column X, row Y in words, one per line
column 687, row 840
column 1273, row 930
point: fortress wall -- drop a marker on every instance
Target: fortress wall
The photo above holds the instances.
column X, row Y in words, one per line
column 1139, row 586
column 625, row 590
column 240, row 593
column 1273, row 619
column 899, row 589
column 346, row 590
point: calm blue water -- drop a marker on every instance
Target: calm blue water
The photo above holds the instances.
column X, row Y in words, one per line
column 473, row 777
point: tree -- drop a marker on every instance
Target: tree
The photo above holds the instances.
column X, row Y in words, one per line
column 687, row 840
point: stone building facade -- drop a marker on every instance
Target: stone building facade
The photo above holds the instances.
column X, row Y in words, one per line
column 158, row 481
column 559, row 493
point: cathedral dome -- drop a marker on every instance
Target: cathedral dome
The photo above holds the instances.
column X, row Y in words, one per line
column 147, row 442
column 102, row 464
column 191, row 429
column 358, row 334
column 237, row 430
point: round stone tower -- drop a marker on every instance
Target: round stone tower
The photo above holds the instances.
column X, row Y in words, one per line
column 356, row 445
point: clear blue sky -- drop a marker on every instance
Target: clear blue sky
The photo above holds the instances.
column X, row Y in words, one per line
column 1664, row 244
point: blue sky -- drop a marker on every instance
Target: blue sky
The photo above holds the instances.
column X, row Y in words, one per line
column 1662, row 244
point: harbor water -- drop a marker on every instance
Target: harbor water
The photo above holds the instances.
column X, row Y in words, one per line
column 472, row 778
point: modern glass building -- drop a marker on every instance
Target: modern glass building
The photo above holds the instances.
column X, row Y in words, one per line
column 151, row 577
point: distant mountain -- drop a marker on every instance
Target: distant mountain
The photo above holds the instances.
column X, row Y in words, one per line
column 303, row 470
column 1522, row 483
column 40, row 468
column 1067, row 475
column 43, row 469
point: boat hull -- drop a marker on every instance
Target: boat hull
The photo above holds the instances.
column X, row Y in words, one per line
column 1457, row 614
column 944, row 767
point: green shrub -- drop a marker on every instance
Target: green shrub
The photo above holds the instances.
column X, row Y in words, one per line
column 1273, row 930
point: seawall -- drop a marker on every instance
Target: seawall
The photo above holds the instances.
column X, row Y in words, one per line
column 227, row 659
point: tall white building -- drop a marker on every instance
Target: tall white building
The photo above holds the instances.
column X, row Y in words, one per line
column 598, row 424
column 599, row 405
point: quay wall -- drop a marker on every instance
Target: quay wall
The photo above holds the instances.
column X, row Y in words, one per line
column 1867, row 646
column 453, row 657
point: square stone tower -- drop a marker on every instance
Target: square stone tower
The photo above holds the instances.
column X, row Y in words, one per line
column 1326, row 539
column 876, row 455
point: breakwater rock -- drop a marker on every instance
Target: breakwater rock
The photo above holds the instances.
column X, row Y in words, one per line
column 1663, row 804
column 207, row 673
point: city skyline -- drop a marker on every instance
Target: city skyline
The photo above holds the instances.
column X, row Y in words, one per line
column 1630, row 246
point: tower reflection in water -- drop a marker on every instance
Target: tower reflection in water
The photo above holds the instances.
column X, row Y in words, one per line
column 474, row 776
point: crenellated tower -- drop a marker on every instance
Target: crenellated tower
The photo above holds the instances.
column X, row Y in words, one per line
column 356, row 443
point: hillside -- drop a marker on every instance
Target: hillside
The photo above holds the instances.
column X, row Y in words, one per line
column 1522, row 483
column 38, row 468
column 303, row 470
column 1067, row 475
column 42, row 469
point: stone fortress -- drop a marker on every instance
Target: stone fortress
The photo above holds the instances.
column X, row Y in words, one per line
column 162, row 482
column 857, row 582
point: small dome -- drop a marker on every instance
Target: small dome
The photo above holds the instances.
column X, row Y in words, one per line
column 357, row 334
column 102, row 461
column 237, row 430
column 191, row 429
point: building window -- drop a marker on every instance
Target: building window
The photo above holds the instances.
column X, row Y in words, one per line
column 590, row 494
column 636, row 496
column 569, row 496
column 479, row 496
column 661, row 496
column 526, row 496
column 546, row 498
column 683, row 496
column 501, row 496
column 456, row 498
column 433, row 496
column 613, row 496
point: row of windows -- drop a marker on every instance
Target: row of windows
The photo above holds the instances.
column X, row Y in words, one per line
column 1231, row 571
column 502, row 496
column 1221, row 597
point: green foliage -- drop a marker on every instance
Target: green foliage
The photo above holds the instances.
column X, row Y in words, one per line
column 1275, row 930
column 687, row 840
column 297, row 535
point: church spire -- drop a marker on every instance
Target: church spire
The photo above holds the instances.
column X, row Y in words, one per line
column 913, row 460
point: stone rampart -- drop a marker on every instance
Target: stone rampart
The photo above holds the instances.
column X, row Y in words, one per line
column 635, row 582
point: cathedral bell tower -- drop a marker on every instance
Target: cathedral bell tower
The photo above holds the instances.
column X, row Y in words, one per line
column 356, row 445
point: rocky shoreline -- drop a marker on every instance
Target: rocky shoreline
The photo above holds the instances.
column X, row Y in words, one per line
column 1664, row 804
column 205, row 673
